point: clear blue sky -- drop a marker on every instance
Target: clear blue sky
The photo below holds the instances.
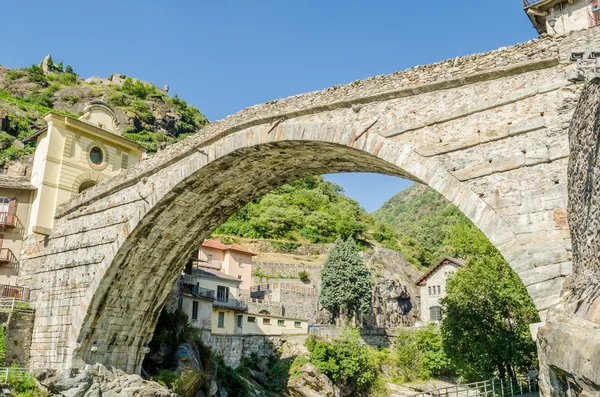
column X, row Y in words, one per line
column 224, row 55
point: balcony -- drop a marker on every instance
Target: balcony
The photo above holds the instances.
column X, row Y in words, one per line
column 211, row 265
column 230, row 303
column 7, row 256
column 203, row 292
column 8, row 220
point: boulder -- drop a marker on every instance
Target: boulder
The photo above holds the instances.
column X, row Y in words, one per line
column 96, row 381
column 310, row 382
column 189, row 368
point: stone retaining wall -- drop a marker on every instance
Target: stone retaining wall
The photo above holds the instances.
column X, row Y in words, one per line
column 234, row 347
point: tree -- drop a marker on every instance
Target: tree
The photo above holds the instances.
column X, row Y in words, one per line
column 346, row 285
column 69, row 69
column 487, row 311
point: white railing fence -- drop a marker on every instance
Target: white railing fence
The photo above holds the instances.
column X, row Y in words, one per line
column 9, row 305
column 10, row 373
column 488, row 388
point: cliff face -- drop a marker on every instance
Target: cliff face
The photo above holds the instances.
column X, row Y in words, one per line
column 569, row 343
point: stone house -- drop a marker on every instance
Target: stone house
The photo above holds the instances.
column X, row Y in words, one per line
column 433, row 288
column 232, row 260
column 71, row 155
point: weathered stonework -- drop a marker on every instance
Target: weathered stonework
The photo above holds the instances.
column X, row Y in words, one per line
column 101, row 278
column 569, row 344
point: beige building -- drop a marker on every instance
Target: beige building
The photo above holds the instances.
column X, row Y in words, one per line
column 232, row 260
column 433, row 288
column 268, row 324
column 71, row 155
column 202, row 286
column 74, row 154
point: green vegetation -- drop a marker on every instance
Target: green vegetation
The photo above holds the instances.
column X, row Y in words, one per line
column 346, row 284
column 2, row 345
column 24, row 386
column 421, row 219
column 487, row 311
column 345, row 361
column 303, row 276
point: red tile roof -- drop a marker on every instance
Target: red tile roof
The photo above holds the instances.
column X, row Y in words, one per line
column 445, row 260
column 223, row 247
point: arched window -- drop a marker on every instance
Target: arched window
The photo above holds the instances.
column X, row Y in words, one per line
column 435, row 314
column 86, row 185
column 4, row 204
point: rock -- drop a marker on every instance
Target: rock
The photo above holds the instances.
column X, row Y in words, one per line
column 222, row 392
column 96, row 381
column 214, row 388
column 310, row 382
column 160, row 355
column 189, row 367
column 44, row 64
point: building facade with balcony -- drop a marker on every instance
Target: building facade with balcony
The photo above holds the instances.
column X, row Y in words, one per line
column 71, row 155
column 232, row 260
column 210, row 299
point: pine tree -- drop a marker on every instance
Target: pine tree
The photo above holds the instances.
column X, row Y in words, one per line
column 346, row 285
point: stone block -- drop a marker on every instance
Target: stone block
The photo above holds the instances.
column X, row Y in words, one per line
column 477, row 171
column 526, row 126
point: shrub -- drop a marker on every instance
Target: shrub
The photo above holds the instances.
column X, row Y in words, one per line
column 12, row 75
column 35, row 75
column 345, row 361
column 69, row 69
column 231, row 380
column 303, row 276
column 118, row 99
column 408, row 356
column 166, row 378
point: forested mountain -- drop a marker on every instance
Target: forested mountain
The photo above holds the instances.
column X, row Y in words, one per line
column 146, row 114
column 426, row 216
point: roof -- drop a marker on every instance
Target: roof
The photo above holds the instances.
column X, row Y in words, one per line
column 224, row 247
column 214, row 273
column 444, row 261
column 15, row 182
column 276, row 316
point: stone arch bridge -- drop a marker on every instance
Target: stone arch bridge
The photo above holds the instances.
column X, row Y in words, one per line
column 487, row 131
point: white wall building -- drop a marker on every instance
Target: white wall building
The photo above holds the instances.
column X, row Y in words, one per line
column 433, row 288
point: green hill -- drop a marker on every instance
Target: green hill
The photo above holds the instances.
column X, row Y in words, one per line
column 146, row 114
column 426, row 216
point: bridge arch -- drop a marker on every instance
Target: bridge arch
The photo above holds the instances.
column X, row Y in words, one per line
column 100, row 279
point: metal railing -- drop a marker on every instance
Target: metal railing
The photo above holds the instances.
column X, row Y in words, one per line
column 8, row 219
column 527, row 3
column 230, row 303
column 9, row 373
column 203, row 292
column 9, row 305
column 7, row 256
column 488, row 388
column 14, row 291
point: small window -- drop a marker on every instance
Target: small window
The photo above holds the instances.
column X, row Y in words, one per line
column 221, row 322
column 251, row 319
column 239, row 277
column 266, row 321
column 429, row 288
column 240, row 320
column 208, row 258
column 281, row 323
column 194, row 310
column 297, row 324
column 435, row 314
column 4, row 203
column 96, row 155
column 439, row 290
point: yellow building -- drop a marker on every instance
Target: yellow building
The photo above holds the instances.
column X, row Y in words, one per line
column 71, row 155
column 268, row 324
column 74, row 154
column 223, row 315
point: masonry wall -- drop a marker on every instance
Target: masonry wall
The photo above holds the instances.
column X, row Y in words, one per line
column 234, row 347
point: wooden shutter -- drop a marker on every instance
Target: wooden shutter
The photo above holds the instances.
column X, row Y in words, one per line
column 1, row 239
column 12, row 206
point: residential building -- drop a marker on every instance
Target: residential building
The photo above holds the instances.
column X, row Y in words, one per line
column 71, row 155
column 269, row 324
column 433, row 288
column 210, row 298
column 232, row 260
